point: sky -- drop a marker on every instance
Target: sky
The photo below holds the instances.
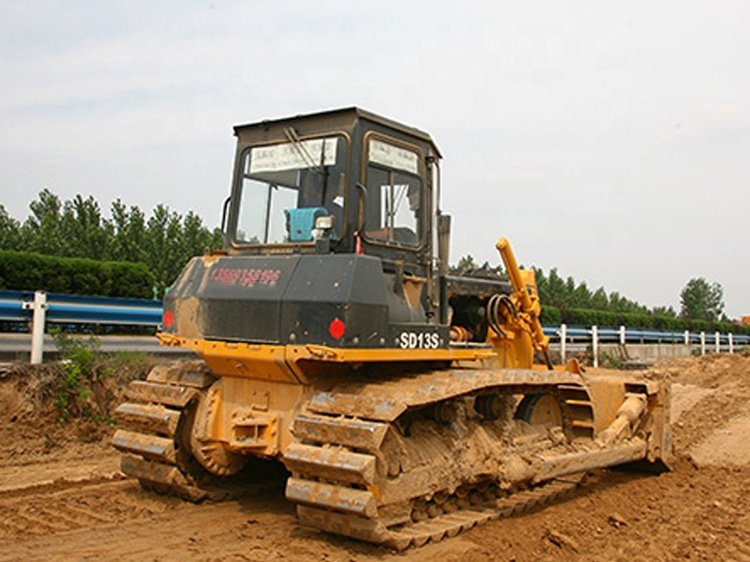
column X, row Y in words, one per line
column 609, row 140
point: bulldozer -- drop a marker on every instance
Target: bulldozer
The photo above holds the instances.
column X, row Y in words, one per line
column 407, row 403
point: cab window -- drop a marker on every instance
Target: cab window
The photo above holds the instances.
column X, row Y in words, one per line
column 286, row 186
column 394, row 206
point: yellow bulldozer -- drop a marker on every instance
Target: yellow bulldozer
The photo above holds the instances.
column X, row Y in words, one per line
column 404, row 401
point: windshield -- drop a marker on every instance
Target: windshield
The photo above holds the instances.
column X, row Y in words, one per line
column 286, row 186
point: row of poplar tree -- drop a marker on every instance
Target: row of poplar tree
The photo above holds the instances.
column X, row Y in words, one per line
column 77, row 228
column 166, row 240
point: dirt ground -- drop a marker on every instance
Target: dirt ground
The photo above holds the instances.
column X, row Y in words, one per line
column 62, row 497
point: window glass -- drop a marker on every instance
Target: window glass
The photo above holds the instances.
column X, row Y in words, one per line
column 394, row 205
column 285, row 186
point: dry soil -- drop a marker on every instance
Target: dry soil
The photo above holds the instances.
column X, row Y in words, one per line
column 62, row 496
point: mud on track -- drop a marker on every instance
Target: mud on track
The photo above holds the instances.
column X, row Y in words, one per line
column 63, row 498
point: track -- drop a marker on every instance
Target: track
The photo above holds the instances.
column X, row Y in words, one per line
column 422, row 457
column 440, row 521
column 155, row 433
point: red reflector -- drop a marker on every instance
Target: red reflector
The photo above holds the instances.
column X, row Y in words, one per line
column 337, row 328
column 168, row 319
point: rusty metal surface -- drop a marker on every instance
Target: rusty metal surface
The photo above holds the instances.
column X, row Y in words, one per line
column 162, row 477
column 434, row 529
column 148, row 392
column 195, row 374
column 148, row 446
column 361, row 528
column 151, row 471
column 562, row 465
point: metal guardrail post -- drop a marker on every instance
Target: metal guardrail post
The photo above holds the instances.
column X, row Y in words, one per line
column 563, row 342
column 687, row 337
column 39, row 308
column 595, row 344
column 717, row 339
column 622, row 335
column 730, row 340
column 703, row 343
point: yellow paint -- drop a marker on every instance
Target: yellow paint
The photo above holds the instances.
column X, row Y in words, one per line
column 295, row 363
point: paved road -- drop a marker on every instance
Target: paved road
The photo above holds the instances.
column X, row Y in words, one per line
column 16, row 346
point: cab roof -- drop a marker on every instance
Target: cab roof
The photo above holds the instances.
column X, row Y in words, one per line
column 345, row 118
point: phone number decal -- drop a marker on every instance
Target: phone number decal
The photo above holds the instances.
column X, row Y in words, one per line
column 245, row 277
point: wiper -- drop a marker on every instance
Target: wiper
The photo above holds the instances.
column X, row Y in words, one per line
column 301, row 149
column 304, row 153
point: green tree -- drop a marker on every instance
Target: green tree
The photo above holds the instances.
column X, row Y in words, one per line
column 162, row 244
column 666, row 311
column 582, row 296
column 89, row 235
column 195, row 238
column 600, row 300
column 10, row 231
column 465, row 263
column 41, row 230
column 701, row 300
column 129, row 233
column 557, row 290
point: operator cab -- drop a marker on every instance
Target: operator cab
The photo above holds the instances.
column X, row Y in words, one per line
column 344, row 181
column 333, row 237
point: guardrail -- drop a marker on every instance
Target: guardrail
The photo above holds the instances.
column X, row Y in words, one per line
column 39, row 307
column 622, row 335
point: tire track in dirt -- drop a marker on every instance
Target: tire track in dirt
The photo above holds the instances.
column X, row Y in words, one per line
column 64, row 506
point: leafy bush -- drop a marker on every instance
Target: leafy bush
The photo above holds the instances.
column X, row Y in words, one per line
column 80, row 363
column 588, row 317
column 29, row 271
column 550, row 315
column 88, row 379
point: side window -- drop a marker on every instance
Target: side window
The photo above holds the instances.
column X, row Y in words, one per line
column 394, row 206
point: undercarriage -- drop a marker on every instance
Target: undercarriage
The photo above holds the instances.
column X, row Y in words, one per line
column 401, row 460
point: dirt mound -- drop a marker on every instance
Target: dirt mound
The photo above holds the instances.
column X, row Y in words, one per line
column 710, row 401
column 44, row 417
column 710, row 371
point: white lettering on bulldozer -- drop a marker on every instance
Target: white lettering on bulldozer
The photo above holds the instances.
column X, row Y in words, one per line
column 421, row 340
